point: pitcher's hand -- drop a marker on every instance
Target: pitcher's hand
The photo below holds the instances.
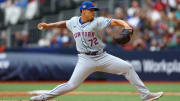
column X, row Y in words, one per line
column 42, row 26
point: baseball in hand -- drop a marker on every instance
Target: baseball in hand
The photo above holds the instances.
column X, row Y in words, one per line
column 40, row 27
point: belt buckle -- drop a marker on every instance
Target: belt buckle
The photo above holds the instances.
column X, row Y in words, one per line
column 95, row 53
column 92, row 53
column 89, row 53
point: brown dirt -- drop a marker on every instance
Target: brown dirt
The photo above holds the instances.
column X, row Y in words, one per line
column 3, row 94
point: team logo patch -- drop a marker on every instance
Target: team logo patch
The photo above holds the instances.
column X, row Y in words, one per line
column 93, row 4
column 84, row 6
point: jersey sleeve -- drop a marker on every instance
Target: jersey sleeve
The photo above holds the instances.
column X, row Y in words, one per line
column 103, row 22
column 69, row 23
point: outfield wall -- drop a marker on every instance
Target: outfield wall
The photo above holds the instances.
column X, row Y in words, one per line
column 58, row 64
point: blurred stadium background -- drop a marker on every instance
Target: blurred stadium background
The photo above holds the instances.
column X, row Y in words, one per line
column 28, row 54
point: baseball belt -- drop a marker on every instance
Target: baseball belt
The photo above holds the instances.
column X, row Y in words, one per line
column 93, row 53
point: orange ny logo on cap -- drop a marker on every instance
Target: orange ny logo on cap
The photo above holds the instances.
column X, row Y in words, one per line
column 93, row 4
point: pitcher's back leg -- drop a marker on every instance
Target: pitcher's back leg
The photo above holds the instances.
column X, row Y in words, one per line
column 118, row 66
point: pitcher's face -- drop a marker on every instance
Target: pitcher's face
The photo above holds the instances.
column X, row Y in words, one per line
column 89, row 14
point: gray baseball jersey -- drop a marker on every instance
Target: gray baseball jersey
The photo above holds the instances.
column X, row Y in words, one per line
column 88, row 36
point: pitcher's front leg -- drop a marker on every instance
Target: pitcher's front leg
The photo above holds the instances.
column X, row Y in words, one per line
column 82, row 70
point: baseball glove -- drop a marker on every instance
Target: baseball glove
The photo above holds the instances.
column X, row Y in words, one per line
column 124, row 37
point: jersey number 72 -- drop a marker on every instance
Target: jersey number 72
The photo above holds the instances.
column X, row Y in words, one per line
column 93, row 41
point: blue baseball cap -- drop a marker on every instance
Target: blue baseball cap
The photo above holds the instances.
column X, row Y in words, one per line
column 88, row 5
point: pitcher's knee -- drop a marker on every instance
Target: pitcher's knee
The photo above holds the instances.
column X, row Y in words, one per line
column 129, row 66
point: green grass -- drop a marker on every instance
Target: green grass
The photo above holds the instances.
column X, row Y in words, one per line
column 112, row 98
column 87, row 98
column 93, row 87
column 98, row 98
column 90, row 87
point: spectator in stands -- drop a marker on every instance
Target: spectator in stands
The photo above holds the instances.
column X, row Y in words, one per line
column 147, row 38
column 21, row 3
column 119, row 13
column 139, row 44
column 2, row 4
column 165, row 40
column 12, row 13
column 2, row 46
column 178, row 40
column 21, row 39
column 160, row 5
column 25, row 38
column 176, row 44
column 134, row 8
column 60, row 39
column 143, row 23
column 1, row 18
column 154, row 15
column 172, row 4
column 154, row 45
column 104, row 12
column 134, row 21
column 2, row 41
column 32, row 9
column 43, row 42
column 18, row 40
column 65, row 37
column 178, row 12
column 56, row 42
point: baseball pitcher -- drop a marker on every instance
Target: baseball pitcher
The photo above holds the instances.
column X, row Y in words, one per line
column 87, row 31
